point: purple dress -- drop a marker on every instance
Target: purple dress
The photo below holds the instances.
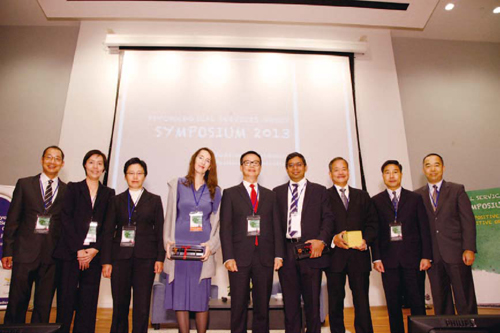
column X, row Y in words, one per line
column 187, row 292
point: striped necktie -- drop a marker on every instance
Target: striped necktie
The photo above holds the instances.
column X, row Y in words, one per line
column 344, row 198
column 47, row 198
column 294, row 207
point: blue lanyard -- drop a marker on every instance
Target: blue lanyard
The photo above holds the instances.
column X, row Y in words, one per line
column 197, row 202
column 130, row 212
column 43, row 193
column 437, row 198
column 254, row 203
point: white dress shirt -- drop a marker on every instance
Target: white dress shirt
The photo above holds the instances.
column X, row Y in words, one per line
column 55, row 185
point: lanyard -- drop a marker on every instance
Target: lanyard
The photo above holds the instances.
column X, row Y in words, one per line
column 254, row 204
column 43, row 193
column 197, row 202
column 437, row 198
column 130, row 212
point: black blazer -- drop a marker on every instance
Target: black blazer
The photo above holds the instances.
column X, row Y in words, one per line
column 235, row 207
column 453, row 226
column 316, row 220
column 360, row 215
column 77, row 213
column 19, row 238
column 148, row 220
column 416, row 243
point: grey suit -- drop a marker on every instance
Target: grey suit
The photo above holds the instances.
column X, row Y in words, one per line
column 453, row 230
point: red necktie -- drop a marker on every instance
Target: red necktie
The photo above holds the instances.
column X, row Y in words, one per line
column 255, row 205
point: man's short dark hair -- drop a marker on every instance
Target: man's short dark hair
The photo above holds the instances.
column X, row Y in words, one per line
column 338, row 158
column 53, row 147
column 433, row 154
column 136, row 160
column 393, row 162
column 95, row 152
column 295, row 154
column 248, row 153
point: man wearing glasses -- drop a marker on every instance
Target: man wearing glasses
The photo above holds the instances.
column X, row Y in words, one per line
column 30, row 235
column 252, row 244
column 306, row 218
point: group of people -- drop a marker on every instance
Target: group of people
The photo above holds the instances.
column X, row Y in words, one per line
column 65, row 236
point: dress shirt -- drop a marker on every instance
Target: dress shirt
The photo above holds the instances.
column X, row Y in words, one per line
column 332, row 245
column 55, row 185
column 249, row 189
column 398, row 193
column 301, row 192
column 135, row 195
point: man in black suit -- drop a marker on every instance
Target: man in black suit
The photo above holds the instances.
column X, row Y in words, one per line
column 354, row 211
column 252, row 244
column 402, row 252
column 306, row 217
column 31, row 233
column 453, row 231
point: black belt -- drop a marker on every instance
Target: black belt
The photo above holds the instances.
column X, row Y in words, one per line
column 293, row 240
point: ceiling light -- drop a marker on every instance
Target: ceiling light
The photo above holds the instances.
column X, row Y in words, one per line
column 449, row 6
column 496, row 10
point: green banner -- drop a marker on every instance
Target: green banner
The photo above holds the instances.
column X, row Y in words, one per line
column 486, row 208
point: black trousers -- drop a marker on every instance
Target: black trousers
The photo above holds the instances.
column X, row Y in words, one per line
column 23, row 276
column 262, row 282
column 391, row 280
column 359, row 283
column 79, row 292
column 298, row 279
column 445, row 276
column 137, row 274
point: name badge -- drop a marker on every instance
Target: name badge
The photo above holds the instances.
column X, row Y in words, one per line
column 128, row 236
column 91, row 234
column 196, row 221
column 42, row 224
column 396, row 231
column 253, row 225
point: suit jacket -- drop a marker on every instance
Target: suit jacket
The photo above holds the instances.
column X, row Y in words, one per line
column 19, row 239
column 360, row 215
column 416, row 243
column 77, row 213
column 453, row 226
column 235, row 207
column 316, row 219
column 148, row 220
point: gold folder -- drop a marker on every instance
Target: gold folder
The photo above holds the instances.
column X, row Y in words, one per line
column 353, row 238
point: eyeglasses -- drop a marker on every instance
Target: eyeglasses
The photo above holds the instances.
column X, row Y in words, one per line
column 298, row 164
column 49, row 158
column 251, row 163
column 135, row 173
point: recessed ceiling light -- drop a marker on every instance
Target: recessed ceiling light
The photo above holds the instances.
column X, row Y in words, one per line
column 449, row 6
column 496, row 10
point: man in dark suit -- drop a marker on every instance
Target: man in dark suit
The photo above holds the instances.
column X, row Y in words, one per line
column 453, row 231
column 252, row 244
column 402, row 252
column 354, row 211
column 31, row 233
column 306, row 217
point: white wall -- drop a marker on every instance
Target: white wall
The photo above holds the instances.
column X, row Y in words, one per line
column 92, row 91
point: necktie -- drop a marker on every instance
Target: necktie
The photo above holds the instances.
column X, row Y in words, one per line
column 255, row 205
column 395, row 200
column 435, row 197
column 47, row 198
column 293, row 208
column 344, row 198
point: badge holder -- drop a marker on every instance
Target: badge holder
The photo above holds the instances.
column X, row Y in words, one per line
column 253, row 225
column 196, row 221
column 128, row 236
column 396, row 231
column 42, row 224
column 91, row 234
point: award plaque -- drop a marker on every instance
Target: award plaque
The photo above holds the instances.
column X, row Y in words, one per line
column 303, row 250
column 353, row 238
column 187, row 252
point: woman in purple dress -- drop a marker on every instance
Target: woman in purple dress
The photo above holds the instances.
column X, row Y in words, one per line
column 190, row 198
